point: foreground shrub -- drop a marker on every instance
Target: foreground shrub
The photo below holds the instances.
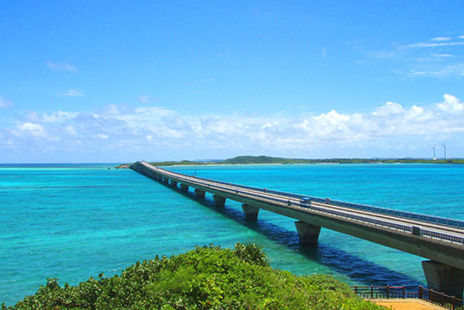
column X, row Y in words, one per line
column 205, row 278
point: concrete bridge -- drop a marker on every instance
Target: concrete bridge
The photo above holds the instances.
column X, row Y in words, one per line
column 438, row 239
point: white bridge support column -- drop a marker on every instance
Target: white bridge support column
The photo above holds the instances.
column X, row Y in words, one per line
column 184, row 188
column 200, row 194
column 251, row 212
column 444, row 278
column 219, row 201
column 308, row 233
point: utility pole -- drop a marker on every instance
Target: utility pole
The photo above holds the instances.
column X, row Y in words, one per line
column 444, row 151
column 434, row 157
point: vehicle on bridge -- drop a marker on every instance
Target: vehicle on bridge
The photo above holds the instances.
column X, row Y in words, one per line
column 306, row 201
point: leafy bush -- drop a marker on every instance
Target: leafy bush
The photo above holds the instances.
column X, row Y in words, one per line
column 205, row 278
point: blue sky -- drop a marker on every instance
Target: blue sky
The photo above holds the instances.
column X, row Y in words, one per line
column 119, row 81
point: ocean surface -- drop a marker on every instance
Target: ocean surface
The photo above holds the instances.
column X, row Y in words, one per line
column 75, row 221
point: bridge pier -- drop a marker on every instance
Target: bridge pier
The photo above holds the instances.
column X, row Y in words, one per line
column 219, row 201
column 308, row 233
column 165, row 180
column 251, row 212
column 184, row 188
column 444, row 278
column 173, row 183
column 200, row 194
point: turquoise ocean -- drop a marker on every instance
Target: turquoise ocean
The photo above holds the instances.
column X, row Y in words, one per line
column 75, row 221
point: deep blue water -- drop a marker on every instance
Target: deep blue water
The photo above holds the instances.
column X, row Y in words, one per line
column 75, row 221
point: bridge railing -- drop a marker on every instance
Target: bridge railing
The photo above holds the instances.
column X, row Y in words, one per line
column 386, row 211
column 404, row 214
column 208, row 183
column 399, row 213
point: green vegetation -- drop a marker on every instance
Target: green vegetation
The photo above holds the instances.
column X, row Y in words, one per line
column 278, row 160
column 205, row 278
column 241, row 160
column 263, row 160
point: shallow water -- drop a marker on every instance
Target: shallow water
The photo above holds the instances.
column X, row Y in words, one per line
column 75, row 221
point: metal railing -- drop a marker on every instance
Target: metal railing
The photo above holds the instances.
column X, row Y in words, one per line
column 381, row 292
column 404, row 214
column 386, row 292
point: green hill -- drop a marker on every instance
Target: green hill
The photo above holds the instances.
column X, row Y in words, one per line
column 261, row 160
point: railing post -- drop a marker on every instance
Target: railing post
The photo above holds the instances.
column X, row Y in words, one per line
column 421, row 292
column 388, row 291
column 372, row 291
column 404, row 292
column 356, row 289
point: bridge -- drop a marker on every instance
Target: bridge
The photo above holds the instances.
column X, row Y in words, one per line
column 440, row 240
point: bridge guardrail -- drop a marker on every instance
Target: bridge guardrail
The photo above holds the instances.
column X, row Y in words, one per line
column 404, row 214
column 405, row 228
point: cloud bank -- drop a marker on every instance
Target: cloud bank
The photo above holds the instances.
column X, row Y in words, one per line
column 155, row 133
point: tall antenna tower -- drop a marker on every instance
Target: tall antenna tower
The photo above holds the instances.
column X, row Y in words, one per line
column 444, row 151
column 434, row 157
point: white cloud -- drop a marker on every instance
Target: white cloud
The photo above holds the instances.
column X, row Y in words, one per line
column 154, row 129
column 101, row 136
column 73, row 93
column 61, row 67
column 440, row 39
column 31, row 129
column 154, row 112
column 222, row 125
column 388, row 109
column 451, row 104
column 54, row 117
column 442, row 55
column 432, row 44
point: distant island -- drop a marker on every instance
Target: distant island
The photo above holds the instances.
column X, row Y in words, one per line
column 243, row 160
